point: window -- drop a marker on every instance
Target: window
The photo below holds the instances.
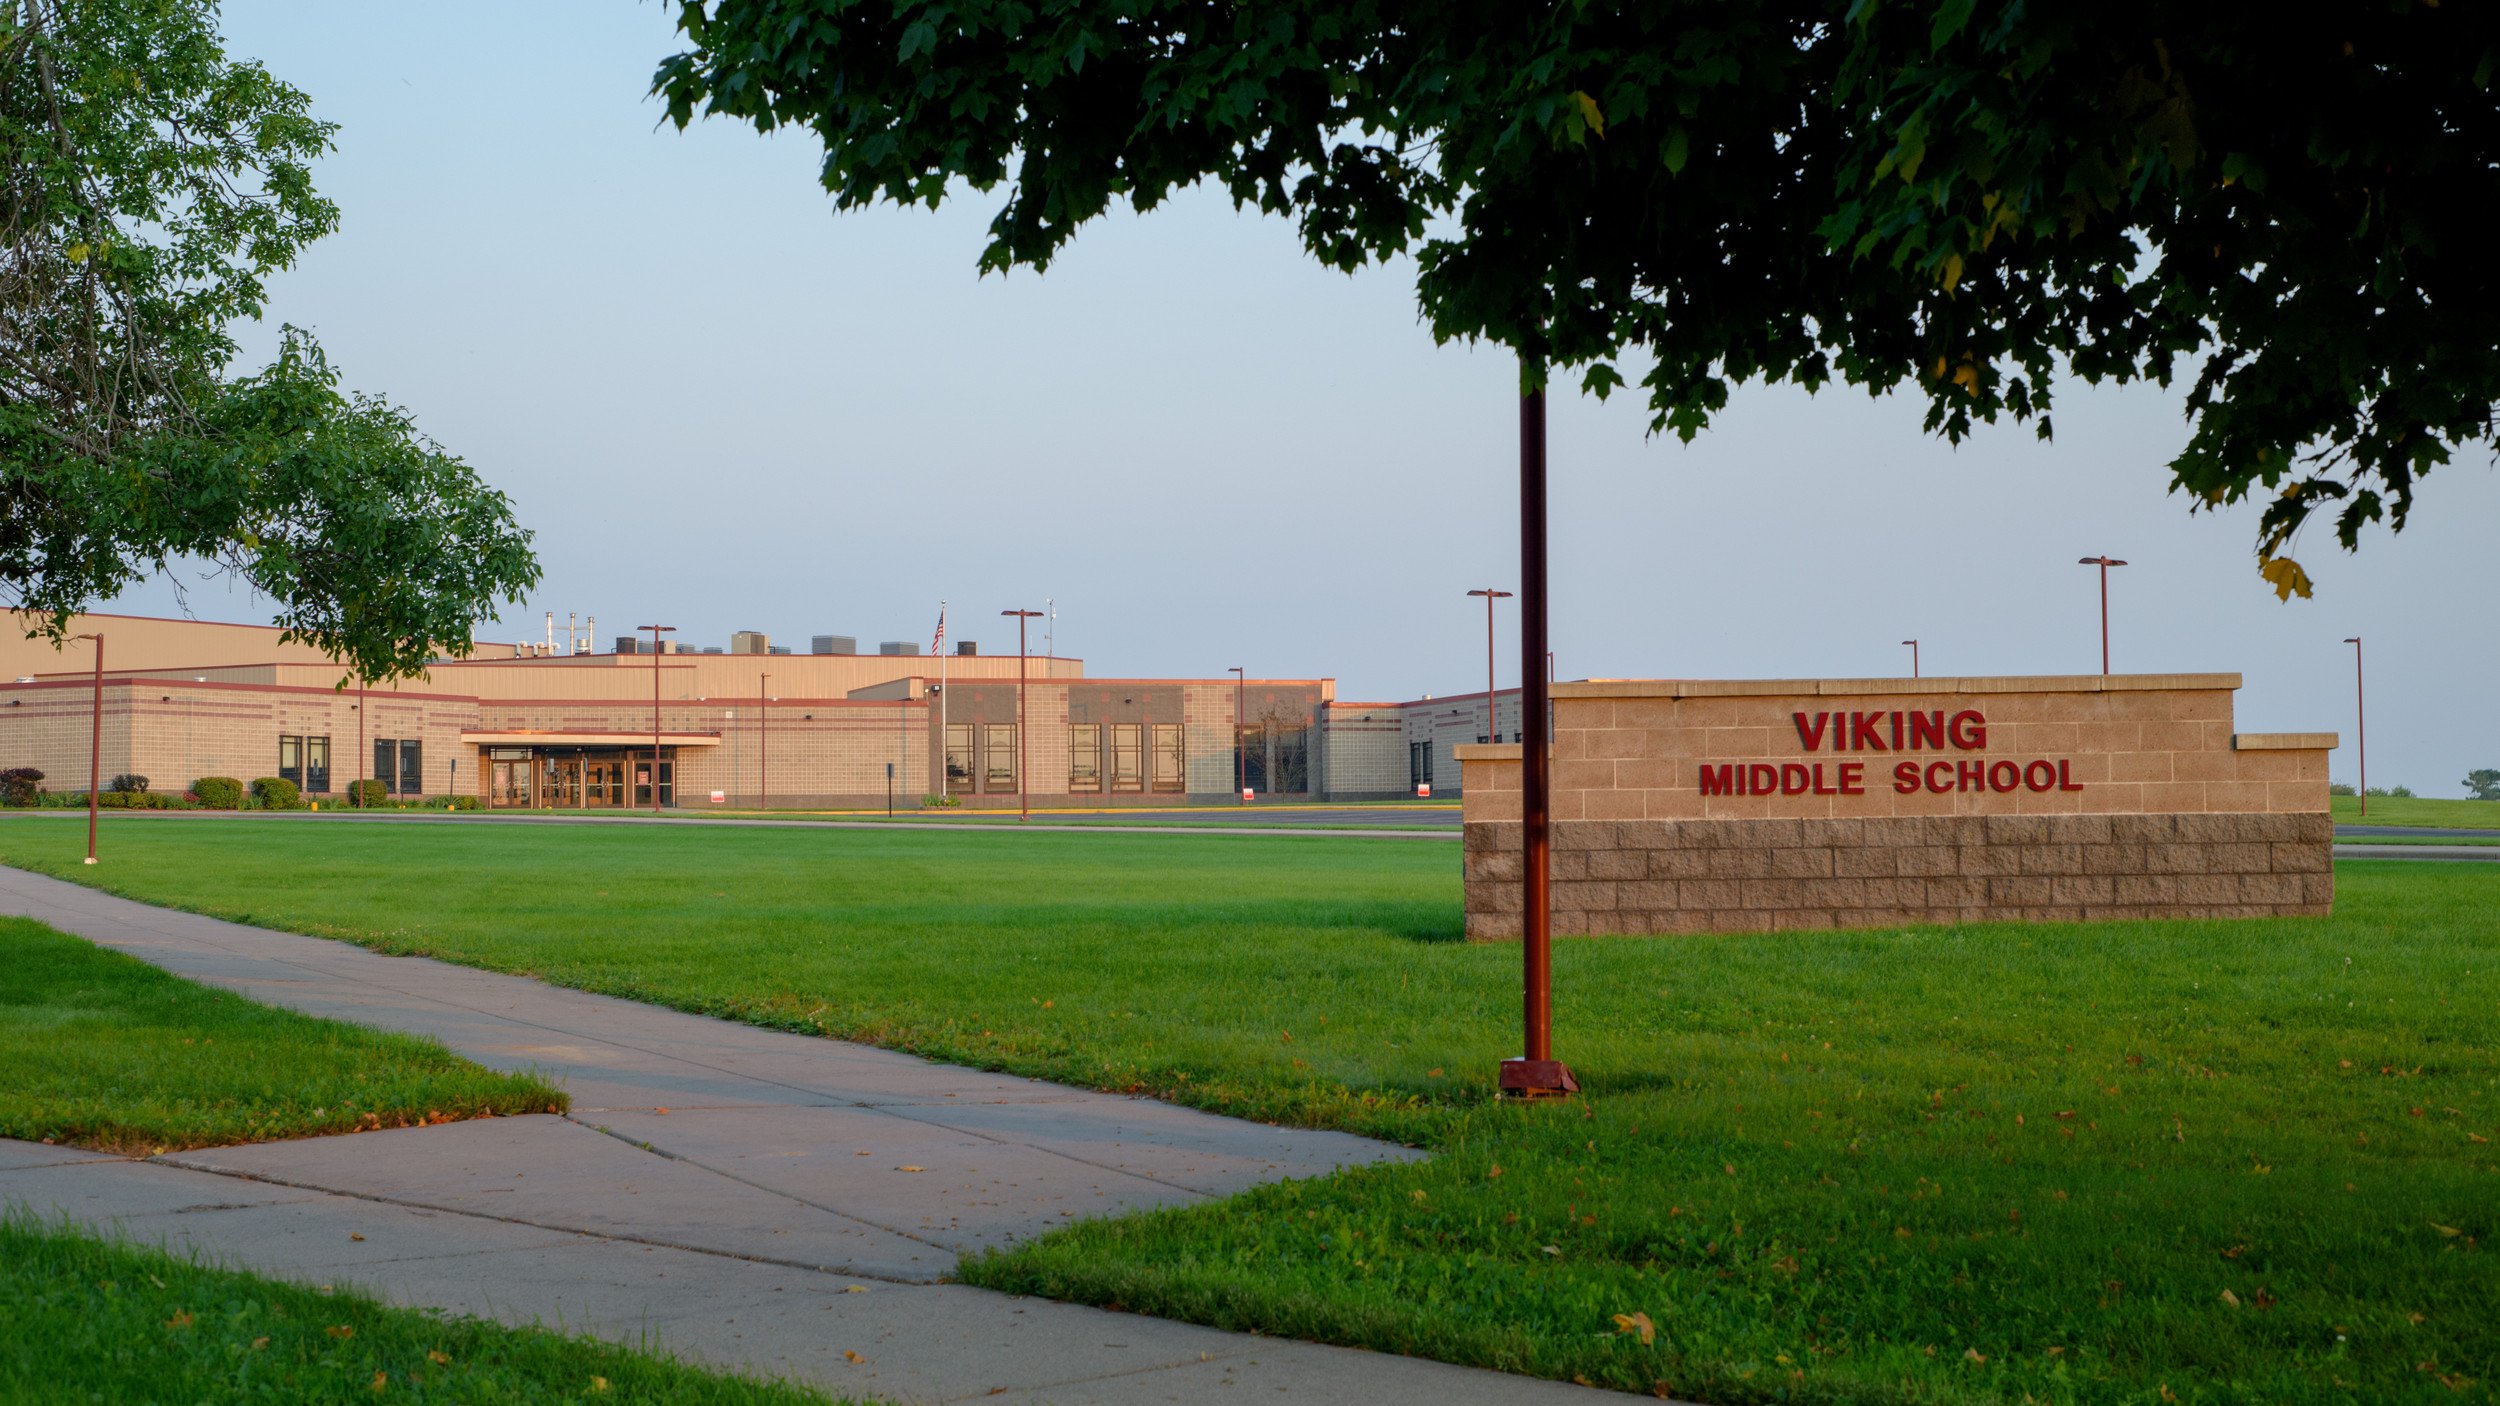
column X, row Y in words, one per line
column 1085, row 757
column 1289, row 759
column 641, row 762
column 958, row 759
column 291, row 760
column 411, row 766
column 998, row 756
column 386, row 764
column 1418, row 763
column 317, row 765
column 1251, row 759
column 1128, row 759
column 1171, row 757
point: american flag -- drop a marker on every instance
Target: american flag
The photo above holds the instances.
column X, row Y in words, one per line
column 940, row 637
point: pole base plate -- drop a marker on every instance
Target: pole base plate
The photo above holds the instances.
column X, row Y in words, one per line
column 1537, row 1078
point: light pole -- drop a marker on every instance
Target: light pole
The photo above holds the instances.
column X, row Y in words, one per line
column 1024, row 792
column 2361, row 725
column 763, row 719
column 2104, row 563
column 656, row 632
column 1492, row 730
column 1241, row 757
column 1913, row 644
column 95, row 743
column 356, row 793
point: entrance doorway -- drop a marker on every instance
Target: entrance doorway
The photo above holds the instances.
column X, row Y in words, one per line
column 577, row 778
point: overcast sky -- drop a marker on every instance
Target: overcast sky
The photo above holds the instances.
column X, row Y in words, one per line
column 721, row 406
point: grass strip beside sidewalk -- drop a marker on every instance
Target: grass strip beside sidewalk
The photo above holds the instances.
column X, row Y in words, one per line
column 89, row 1320
column 102, row 1050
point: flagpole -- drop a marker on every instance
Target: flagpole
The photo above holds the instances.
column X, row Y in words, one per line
column 946, row 768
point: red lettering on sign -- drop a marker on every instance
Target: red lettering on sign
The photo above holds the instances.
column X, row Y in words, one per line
column 1905, row 778
column 1853, row 778
column 1812, row 738
column 2005, row 776
column 1970, row 776
column 1933, row 784
column 1969, row 731
column 1866, row 732
column 1896, row 732
column 1927, row 732
column 2066, row 782
column 2040, row 776
column 1793, row 778
column 1819, row 788
column 1719, row 780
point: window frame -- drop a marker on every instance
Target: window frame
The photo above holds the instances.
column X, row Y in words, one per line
column 991, row 773
column 1085, row 759
column 1168, row 741
column 1128, row 743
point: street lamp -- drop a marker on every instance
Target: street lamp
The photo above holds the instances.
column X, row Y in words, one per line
column 1492, row 731
column 763, row 791
column 1024, row 794
column 1241, row 756
column 2104, row 563
column 656, row 632
column 1913, row 644
column 2361, row 725
column 95, row 743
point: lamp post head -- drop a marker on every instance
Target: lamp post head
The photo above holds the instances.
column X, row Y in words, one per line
column 1027, row 614
column 1909, row 641
column 1491, row 595
column 2100, row 561
column 2356, row 639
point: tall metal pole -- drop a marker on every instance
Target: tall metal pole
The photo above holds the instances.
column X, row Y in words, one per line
column 95, row 743
column 2104, row 562
column 355, row 793
column 1913, row 644
column 1536, row 1073
column 656, row 632
column 763, row 721
column 1024, row 792
column 2361, row 724
column 1492, row 725
column 1241, row 755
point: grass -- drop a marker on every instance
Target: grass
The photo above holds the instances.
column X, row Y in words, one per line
column 99, row 1322
column 2197, row 1161
column 2425, row 812
column 102, row 1050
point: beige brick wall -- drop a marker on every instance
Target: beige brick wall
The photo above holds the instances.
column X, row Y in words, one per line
column 2168, row 810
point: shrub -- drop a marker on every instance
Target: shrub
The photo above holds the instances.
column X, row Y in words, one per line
column 367, row 794
column 451, row 803
column 2341, row 788
column 127, row 782
column 219, row 792
column 941, row 800
column 20, row 786
column 277, row 793
column 2393, row 793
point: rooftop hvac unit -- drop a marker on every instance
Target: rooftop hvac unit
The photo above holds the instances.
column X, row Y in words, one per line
column 778, row 649
column 963, row 647
column 629, row 644
column 899, row 647
column 833, row 644
column 749, row 642
column 711, row 649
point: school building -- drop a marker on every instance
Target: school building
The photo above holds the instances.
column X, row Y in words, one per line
column 749, row 724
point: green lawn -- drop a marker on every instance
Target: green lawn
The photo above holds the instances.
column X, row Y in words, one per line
column 2209, row 1161
column 2416, row 810
column 91, row 1321
column 105, row 1051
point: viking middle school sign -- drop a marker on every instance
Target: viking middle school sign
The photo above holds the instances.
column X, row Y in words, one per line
column 1733, row 805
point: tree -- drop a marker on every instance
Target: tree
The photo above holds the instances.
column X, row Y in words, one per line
column 1913, row 196
column 2483, row 784
column 154, row 184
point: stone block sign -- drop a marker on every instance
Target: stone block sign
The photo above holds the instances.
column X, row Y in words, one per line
column 1687, row 805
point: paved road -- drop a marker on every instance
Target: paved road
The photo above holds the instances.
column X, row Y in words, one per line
column 748, row 1197
column 2414, row 832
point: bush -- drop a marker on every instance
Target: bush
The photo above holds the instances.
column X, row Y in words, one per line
column 2393, row 793
column 941, row 800
column 2341, row 788
column 219, row 792
column 451, row 803
column 127, row 783
column 367, row 794
column 127, row 800
column 277, row 793
column 20, row 786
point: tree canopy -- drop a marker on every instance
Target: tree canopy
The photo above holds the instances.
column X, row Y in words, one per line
column 154, row 184
column 2290, row 211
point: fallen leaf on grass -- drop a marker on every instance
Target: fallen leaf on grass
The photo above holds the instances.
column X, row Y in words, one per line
column 438, row 1357
column 850, row 1356
column 353, row 1235
column 907, row 1167
column 381, row 1380
column 2446, row 1231
column 340, row 1331
column 2231, row 1298
column 260, row 1344
column 181, row 1319
column 1637, row 1323
column 1972, row 1354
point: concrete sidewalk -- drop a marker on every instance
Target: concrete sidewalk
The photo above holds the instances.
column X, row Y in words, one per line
column 748, row 1198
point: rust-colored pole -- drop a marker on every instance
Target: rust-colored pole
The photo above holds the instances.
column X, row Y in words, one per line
column 2104, row 562
column 95, row 746
column 355, row 793
column 2361, row 724
column 1913, row 644
column 763, row 726
column 1241, row 755
column 1492, row 726
column 1536, row 1073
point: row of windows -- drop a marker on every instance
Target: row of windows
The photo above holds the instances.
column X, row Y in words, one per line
column 1127, row 758
column 398, row 763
